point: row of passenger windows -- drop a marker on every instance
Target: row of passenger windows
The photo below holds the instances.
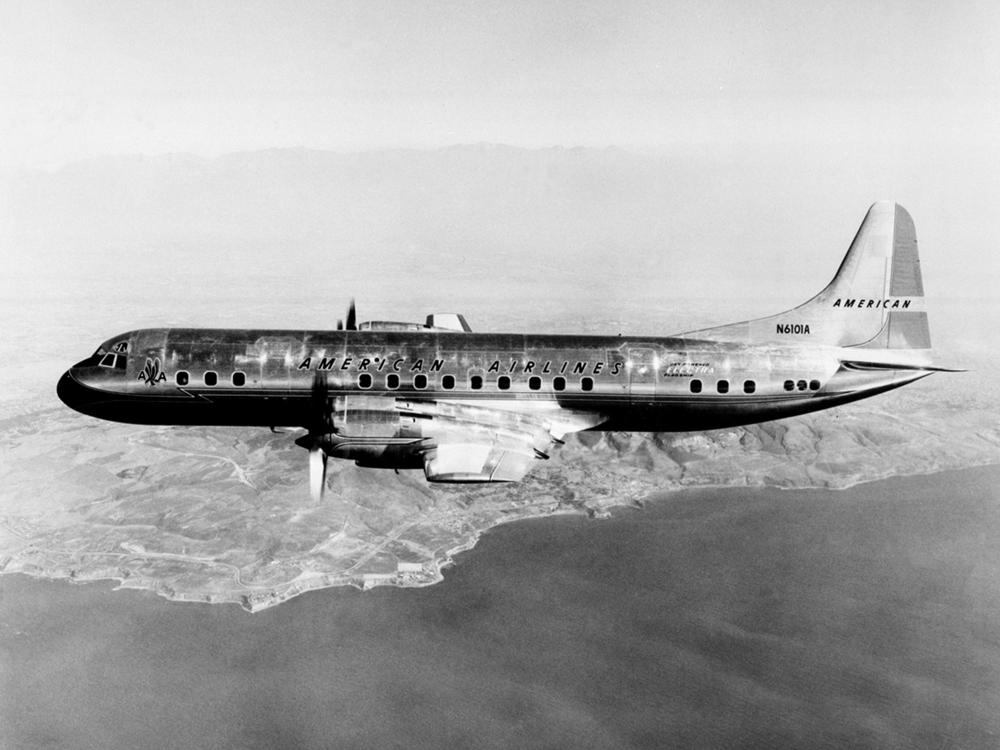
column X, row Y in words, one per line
column 749, row 386
column 365, row 380
column 211, row 378
column 392, row 382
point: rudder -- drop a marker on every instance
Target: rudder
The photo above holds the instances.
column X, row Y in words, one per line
column 875, row 300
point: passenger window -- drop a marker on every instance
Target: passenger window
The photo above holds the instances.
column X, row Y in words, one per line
column 695, row 386
column 181, row 378
column 503, row 383
column 749, row 386
column 210, row 377
column 534, row 382
column 559, row 383
column 447, row 382
column 420, row 381
column 392, row 381
column 789, row 385
column 108, row 360
column 365, row 380
column 801, row 385
column 239, row 379
column 476, row 382
column 586, row 384
column 722, row 386
column 814, row 385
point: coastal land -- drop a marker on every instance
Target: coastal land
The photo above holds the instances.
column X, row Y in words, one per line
column 224, row 514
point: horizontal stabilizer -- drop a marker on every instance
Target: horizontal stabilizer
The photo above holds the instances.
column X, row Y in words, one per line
column 869, row 366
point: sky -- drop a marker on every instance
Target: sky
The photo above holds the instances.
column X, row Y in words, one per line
column 85, row 79
column 770, row 128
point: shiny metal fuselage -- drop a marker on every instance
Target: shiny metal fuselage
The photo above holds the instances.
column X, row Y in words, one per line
column 627, row 383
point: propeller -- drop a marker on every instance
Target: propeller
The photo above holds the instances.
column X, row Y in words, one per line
column 321, row 419
column 352, row 318
column 317, row 472
column 320, row 424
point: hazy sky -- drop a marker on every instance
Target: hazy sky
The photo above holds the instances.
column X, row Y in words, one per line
column 80, row 79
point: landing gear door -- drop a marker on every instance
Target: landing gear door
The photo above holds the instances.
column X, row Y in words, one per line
column 643, row 367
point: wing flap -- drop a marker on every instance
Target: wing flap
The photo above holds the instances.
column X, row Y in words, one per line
column 476, row 442
column 476, row 462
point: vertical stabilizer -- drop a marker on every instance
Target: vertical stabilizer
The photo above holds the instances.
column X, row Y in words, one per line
column 875, row 301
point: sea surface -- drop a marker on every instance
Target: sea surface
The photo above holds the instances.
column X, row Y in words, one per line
column 867, row 617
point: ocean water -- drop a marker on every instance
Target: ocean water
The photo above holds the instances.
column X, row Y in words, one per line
column 868, row 617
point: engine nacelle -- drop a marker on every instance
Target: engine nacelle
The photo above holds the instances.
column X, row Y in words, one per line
column 448, row 322
column 435, row 322
column 385, row 456
column 371, row 431
column 389, row 325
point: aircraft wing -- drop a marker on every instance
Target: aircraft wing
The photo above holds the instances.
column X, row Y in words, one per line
column 487, row 441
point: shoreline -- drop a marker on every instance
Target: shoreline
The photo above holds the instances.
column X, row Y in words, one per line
column 431, row 576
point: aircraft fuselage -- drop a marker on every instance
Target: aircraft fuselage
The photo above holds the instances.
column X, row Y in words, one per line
column 265, row 377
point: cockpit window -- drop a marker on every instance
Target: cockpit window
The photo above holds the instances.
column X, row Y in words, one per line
column 117, row 361
column 113, row 355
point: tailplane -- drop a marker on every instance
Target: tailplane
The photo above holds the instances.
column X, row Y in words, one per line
column 875, row 301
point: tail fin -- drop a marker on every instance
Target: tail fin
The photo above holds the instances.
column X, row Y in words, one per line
column 875, row 301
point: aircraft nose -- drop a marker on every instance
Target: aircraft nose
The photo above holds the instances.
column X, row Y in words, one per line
column 74, row 393
column 69, row 390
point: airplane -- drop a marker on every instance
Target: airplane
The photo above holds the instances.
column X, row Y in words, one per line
column 484, row 407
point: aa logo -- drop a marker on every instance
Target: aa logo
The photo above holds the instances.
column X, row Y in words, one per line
column 151, row 374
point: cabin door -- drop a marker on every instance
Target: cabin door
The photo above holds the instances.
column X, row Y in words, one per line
column 643, row 374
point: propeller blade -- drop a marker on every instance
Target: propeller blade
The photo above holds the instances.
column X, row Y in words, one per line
column 321, row 422
column 317, row 473
column 352, row 317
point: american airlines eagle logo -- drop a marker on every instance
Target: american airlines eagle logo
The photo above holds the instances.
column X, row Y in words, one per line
column 151, row 374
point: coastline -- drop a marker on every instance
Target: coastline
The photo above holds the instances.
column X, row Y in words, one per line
column 432, row 571
column 718, row 617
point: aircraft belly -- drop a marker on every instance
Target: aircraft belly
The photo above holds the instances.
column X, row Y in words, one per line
column 688, row 415
column 186, row 407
